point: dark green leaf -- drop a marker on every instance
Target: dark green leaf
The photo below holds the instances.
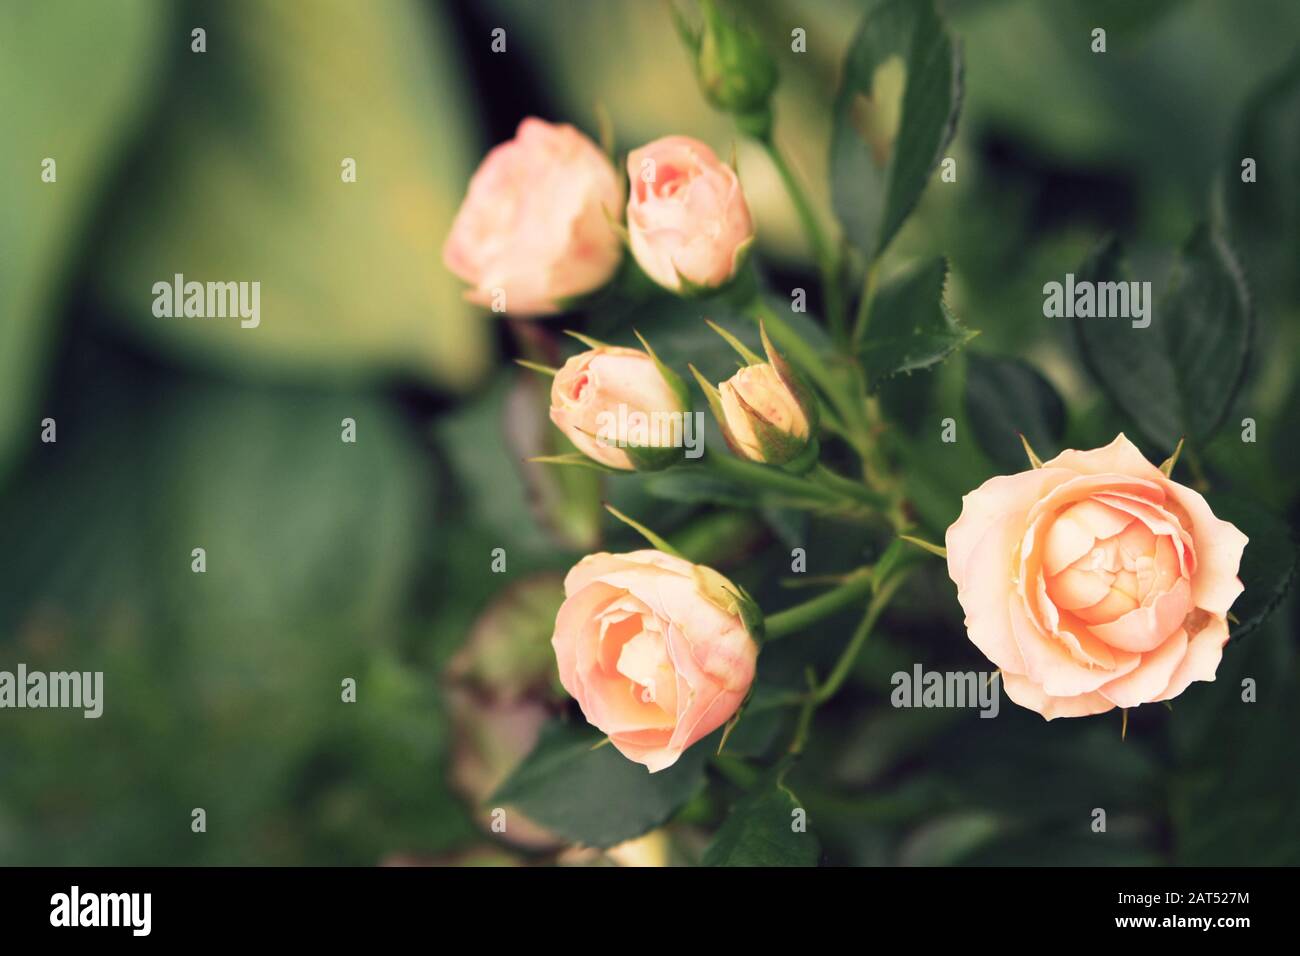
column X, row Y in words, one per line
column 1177, row 376
column 911, row 327
column 761, row 831
column 598, row 797
column 1268, row 565
column 895, row 114
column 1006, row 398
column 1263, row 215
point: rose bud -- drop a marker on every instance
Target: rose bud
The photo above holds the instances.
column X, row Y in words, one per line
column 1094, row 581
column 688, row 225
column 658, row 652
column 535, row 228
column 766, row 411
column 621, row 407
column 736, row 73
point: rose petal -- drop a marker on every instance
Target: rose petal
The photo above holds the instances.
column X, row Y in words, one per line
column 1219, row 546
column 1204, row 651
column 1144, row 628
column 1026, row 693
column 1120, row 457
column 1149, row 678
column 1049, row 663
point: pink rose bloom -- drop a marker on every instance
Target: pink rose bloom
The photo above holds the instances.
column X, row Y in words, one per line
column 686, row 216
column 607, row 396
column 534, row 229
column 652, row 661
column 1095, row 581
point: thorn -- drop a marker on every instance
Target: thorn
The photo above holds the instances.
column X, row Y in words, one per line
column 1123, row 730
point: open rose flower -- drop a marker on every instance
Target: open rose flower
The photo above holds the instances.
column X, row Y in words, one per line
column 534, row 229
column 1094, row 581
column 646, row 646
column 686, row 215
column 621, row 408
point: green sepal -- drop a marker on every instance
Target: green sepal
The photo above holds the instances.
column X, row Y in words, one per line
column 587, row 340
column 776, row 445
column 793, row 380
column 749, row 355
column 674, row 380
column 650, row 457
column 537, row 367
column 730, row 598
column 576, row 458
column 658, row 543
column 714, row 398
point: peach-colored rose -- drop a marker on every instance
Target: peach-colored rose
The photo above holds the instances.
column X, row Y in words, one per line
column 1095, row 581
column 609, row 396
column 755, row 400
column 534, row 229
column 650, row 654
column 686, row 215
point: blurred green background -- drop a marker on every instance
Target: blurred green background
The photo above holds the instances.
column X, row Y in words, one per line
column 328, row 560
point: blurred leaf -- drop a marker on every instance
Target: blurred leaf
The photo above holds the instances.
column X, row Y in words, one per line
column 1268, row 565
column 598, row 797
column 911, row 327
column 1005, row 398
column 1178, row 376
column 508, row 653
column 57, row 108
column 244, row 184
column 1263, row 216
column 565, row 500
column 759, row 831
column 948, row 840
column 314, row 548
column 895, row 114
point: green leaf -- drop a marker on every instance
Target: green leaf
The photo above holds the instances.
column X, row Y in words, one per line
column 895, row 114
column 760, row 831
column 64, row 99
column 1178, row 376
column 1007, row 398
column 352, row 286
column 598, row 797
column 1268, row 565
column 911, row 327
column 1263, row 216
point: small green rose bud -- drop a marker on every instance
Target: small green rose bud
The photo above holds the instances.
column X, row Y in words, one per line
column 735, row 71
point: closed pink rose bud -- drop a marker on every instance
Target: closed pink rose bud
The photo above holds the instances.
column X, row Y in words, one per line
column 655, row 651
column 687, row 221
column 621, row 408
column 1094, row 581
column 535, row 227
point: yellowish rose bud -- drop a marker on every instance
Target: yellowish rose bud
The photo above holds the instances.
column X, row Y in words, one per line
column 763, row 416
column 766, row 411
